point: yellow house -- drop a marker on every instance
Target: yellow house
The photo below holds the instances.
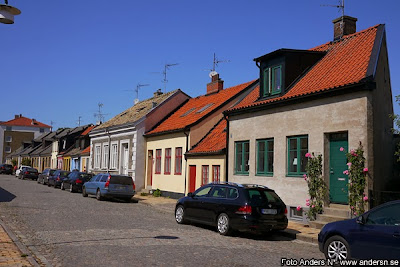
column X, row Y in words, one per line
column 166, row 163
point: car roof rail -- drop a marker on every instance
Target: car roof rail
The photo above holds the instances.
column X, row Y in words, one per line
column 226, row 183
column 257, row 185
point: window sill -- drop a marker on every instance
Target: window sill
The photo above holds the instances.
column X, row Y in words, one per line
column 265, row 174
column 177, row 173
column 242, row 174
column 299, row 175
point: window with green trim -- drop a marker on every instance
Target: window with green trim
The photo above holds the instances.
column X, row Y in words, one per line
column 272, row 81
column 265, row 157
column 242, row 150
column 297, row 149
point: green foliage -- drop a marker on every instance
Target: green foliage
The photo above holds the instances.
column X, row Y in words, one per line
column 316, row 186
column 157, row 193
column 144, row 194
column 357, row 180
column 26, row 162
column 14, row 162
column 395, row 130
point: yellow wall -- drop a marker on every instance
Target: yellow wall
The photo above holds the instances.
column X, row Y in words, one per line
column 67, row 163
column 199, row 161
column 171, row 182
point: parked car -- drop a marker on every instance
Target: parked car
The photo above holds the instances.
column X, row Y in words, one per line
column 44, row 176
column 105, row 185
column 75, row 181
column 373, row 235
column 6, row 169
column 19, row 169
column 56, row 179
column 230, row 206
column 28, row 172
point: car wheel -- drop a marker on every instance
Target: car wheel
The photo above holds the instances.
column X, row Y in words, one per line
column 62, row 186
column 337, row 248
column 71, row 188
column 180, row 215
column 98, row 195
column 43, row 183
column 223, row 226
column 84, row 194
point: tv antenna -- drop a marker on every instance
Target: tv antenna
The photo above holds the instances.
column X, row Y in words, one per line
column 79, row 121
column 340, row 6
column 100, row 115
column 51, row 124
column 165, row 81
column 138, row 86
column 216, row 61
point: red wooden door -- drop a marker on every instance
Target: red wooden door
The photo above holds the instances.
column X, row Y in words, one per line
column 192, row 178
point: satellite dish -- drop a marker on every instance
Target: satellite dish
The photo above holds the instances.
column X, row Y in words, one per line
column 7, row 14
column 213, row 73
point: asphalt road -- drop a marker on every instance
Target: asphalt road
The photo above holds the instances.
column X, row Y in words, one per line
column 65, row 229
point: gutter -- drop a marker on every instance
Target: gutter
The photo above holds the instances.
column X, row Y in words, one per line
column 186, row 132
column 227, row 148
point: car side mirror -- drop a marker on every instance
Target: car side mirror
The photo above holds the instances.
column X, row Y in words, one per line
column 190, row 194
column 360, row 220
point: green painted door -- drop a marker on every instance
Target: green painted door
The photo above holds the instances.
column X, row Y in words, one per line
column 338, row 191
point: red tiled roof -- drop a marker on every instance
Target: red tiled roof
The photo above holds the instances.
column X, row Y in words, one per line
column 179, row 120
column 86, row 151
column 23, row 121
column 88, row 130
column 214, row 141
column 345, row 63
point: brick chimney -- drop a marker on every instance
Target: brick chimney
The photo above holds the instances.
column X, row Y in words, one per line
column 215, row 85
column 16, row 116
column 342, row 26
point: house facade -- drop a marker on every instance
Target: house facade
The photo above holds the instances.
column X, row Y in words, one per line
column 167, row 166
column 18, row 130
column 118, row 146
column 326, row 101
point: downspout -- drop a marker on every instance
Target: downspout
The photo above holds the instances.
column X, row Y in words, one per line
column 186, row 132
column 227, row 148
column 109, row 150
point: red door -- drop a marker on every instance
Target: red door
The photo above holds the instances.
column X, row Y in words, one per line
column 192, row 178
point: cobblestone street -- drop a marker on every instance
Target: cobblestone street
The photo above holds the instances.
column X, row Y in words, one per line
column 64, row 229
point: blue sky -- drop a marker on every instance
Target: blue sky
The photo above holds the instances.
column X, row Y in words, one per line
column 61, row 58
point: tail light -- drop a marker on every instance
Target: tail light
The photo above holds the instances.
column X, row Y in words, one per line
column 134, row 186
column 78, row 181
column 108, row 182
column 244, row 210
column 58, row 178
column 286, row 211
column 26, row 172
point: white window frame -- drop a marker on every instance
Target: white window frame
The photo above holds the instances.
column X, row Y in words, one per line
column 114, row 155
column 104, row 161
column 97, row 156
column 7, row 149
column 8, row 139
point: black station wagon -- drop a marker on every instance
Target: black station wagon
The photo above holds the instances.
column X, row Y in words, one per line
column 230, row 206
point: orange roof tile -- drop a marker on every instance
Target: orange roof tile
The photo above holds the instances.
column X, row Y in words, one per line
column 23, row 121
column 88, row 130
column 86, row 150
column 191, row 113
column 214, row 141
column 345, row 63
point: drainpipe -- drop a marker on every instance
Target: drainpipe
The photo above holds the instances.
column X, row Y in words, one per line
column 186, row 132
column 109, row 150
column 227, row 148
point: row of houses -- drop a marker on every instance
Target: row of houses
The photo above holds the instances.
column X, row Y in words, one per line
column 319, row 100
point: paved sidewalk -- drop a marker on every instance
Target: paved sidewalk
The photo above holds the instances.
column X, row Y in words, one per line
column 10, row 255
column 295, row 230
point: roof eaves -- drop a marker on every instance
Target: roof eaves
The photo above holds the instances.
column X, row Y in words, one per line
column 376, row 49
column 206, row 153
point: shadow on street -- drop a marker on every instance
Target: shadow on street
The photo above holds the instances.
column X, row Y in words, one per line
column 6, row 196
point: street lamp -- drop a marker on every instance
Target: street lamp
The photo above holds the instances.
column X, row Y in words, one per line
column 7, row 13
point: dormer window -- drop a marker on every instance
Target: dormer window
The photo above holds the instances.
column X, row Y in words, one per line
column 272, row 80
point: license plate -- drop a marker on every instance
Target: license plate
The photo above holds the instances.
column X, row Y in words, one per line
column 268, row 211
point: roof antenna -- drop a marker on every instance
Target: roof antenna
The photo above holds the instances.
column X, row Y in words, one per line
column 166, row 67
column 340, row 6
column 138, row 86
column 216, row 61
column 99, row 115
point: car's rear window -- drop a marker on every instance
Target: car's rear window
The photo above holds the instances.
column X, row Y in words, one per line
column 52, row 172
column 124, row 180
column 31, row 170
column 65, row 173
column 85, row 176
column 259, row 195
